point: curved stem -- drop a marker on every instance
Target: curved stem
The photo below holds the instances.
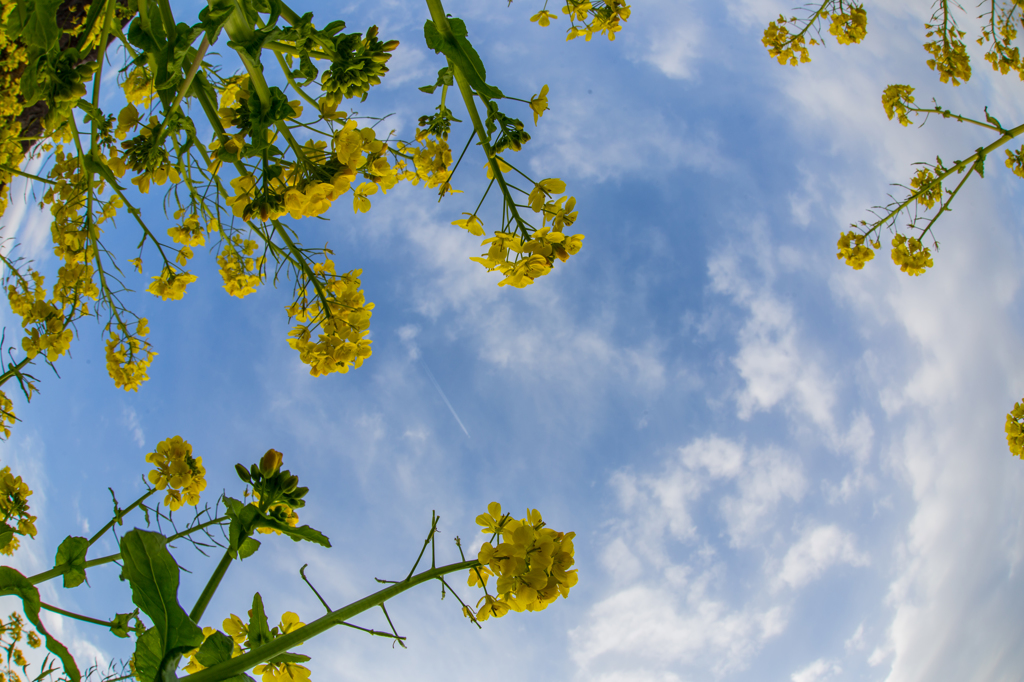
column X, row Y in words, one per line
column 240, row 664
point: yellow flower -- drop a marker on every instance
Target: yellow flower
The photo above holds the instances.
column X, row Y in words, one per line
column 1015, row 430
column 543, row 17
column 471, row 224
column 183, row 476
column 543, row 189
column 360, row 197
column 539, row 104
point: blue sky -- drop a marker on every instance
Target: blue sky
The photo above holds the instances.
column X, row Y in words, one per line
column 777, row 468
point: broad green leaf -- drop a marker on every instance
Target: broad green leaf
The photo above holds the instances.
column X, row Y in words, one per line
column 216, row 649
column 71, row 553
column 153, row 575
column 34, row 22
column 461, row 53
column 12, row 582
column 148, row 654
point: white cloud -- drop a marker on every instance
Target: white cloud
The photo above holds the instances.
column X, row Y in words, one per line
column 817, row 550
column 775, row 365
column 657, row 626
column 820, row 670
column 769, row 477
column 666, row 34
column 131, row 421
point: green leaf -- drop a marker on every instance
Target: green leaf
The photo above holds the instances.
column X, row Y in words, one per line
column 432, row 36
column 248, row 548
column 148, row 654
column 153, row 575
column 461, row 53
column 216, row 649
column 35, row 23
column 302, row 533
column 458, row 27
column 213, row 17
column 259, row 630
column 12, row 582
column 71, row 553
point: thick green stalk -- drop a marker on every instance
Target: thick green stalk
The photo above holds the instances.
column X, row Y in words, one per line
column 240, row 664
column 211, row 588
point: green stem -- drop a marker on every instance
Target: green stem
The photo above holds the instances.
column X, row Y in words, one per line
column 76, row 616
column 240, row 664
column 441, row 23
column 120, row 515
column 61, row 570
column 959, row 166
column 193, row 70
column 211, row 587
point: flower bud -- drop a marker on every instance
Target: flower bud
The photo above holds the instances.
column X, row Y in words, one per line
column 270, row 463
column 243, row 473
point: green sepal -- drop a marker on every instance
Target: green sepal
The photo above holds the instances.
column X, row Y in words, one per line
column 216, row 649
column 14, row 583
column 259, row 629
column 71, row 553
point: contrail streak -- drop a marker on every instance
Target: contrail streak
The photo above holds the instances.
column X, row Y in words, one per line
column 444, row 398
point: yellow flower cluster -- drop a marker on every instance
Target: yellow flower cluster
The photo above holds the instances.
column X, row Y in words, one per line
column 896, row 99
column 851, row 27
column 129, row 356
column 949, row 54
column 930, row 190
column 598, row 17
column 910, row 255
column 7, row 417
column 299, row 194
column 853, row 249
column 170, row 284
column 1015, row 430
column 238, row 631
column 190, row 232
column 177, row 472
column 45, row 325
column 239, row 270
column 14, row 510
column 342, row 343
column 787, row 48
column 1015, row 161
column 531, row 562
column 12, row 60
column 535, row 256
column 138, row 87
